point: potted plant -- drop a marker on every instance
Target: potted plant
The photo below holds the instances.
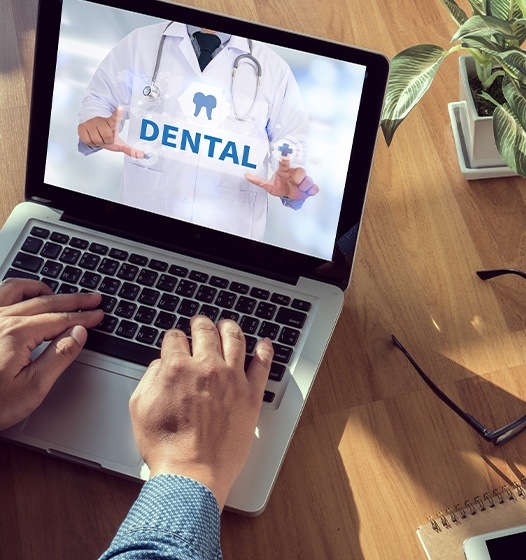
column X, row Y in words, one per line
column 495, row 70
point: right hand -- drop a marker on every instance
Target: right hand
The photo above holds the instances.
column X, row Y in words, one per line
column 103, row 132
column 194, row 413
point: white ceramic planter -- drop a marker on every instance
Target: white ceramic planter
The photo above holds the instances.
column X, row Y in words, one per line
column 478, row 131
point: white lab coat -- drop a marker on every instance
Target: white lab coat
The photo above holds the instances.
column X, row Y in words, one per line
column 184, row 190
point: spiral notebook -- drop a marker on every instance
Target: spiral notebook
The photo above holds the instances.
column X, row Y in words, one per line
column 443, row 535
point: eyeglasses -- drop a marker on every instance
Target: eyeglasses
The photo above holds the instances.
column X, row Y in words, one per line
column 497, row 437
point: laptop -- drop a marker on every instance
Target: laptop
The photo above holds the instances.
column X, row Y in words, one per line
column 178, row 216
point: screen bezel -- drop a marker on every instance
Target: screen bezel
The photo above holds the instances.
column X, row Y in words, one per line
column 190, row 239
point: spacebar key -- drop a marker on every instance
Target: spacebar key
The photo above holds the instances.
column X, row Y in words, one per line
column 120, row 348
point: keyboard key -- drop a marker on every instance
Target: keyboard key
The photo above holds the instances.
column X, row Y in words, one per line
column 118, row 254
column 67, row 289
column 175, row 270
column 301, row 304
column 291, row 318
column 147, row 277
column 265, row 310
column 51, row 269
column 147, row 335
column 28, row 262
column 109, row 285
column 225, row 314
column 251, row 342
column 225, row 299
column 209, row 311
column 218, row 282
column 268, row 330
column 280, row 299
column 53, row 284
column 259, row 293
column 89, row 261
column 186, row 288
column 51, row 250
column 90, row 280
column 289, row 336
column 206, row 294
column 98, row 248
column 168, row 302
column 40, row 232
column 145, row 315
column 183, row 324
column 107, row 324
column 248, row 324
column 32, row 245
column 166, row 283
column 188, row 308
column 165, row 320
column 245, row 305
column 121, row 348
column 269, row 396
column 71, row 274
column 128, row 271
column 149, row 296
column 129, row 291
column 155, row 264
column 276, row 371
column 138, row 259
column 12, row 273
column 239, row 288
column 79, row 243
column 108, row 266
column 59, row 237
column 127, row 329
column 282, row 353
column 125, row 309
column 198, row 276
column 70, row 255
column 108, row 304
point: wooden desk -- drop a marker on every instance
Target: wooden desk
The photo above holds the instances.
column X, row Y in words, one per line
column 375, row 452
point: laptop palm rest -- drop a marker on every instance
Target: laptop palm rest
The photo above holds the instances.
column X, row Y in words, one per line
column 86, row 414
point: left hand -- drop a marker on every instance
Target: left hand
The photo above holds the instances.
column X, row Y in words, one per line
column 292, row 182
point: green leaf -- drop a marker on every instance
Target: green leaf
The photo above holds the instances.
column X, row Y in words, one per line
column 457, row 13
column 483, row 45
column 479, row 7
column 510, row 138
column 484, row 26
column 513, row 63
column 502, row 9
column 519, row 30
column 521, row 5
column 412, row 72
column 515, row 95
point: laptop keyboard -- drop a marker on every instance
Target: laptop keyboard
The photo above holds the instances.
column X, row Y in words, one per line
column 143, row 297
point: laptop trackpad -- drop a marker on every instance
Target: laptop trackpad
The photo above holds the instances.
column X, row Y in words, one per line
column 87, row 411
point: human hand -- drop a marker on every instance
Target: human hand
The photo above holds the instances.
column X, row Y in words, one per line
column 292, row 182
column 104, row 133
column 30, row 314
column 194, row 413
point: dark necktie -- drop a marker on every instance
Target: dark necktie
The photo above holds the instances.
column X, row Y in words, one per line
column 208, row 43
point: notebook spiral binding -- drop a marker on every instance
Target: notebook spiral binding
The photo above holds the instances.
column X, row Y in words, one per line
column 478, row 505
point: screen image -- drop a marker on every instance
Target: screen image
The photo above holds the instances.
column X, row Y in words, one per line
column 508, row 547
column 256, row 143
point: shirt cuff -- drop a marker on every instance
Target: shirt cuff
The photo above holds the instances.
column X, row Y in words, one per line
column 289, row 203
column 173, row 517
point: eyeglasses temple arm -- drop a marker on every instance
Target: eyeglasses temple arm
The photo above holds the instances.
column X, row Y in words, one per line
column 487, row 274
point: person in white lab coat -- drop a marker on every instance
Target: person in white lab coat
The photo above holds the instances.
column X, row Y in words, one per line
column 206, row 148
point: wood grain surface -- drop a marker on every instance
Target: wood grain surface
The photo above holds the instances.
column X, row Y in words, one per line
column 375, row 452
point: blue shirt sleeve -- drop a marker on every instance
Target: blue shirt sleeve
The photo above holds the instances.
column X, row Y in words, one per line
column 174, row 517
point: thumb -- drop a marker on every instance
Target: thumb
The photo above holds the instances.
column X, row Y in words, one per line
column 59, row 354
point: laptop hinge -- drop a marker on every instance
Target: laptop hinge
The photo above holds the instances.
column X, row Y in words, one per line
column 286, row 279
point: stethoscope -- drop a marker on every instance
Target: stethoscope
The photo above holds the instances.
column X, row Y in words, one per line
column 152, row 92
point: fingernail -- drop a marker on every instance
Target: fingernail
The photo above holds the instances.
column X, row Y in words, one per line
column 78, row 334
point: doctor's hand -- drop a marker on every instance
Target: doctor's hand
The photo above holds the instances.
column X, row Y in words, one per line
column 292, row 182
column 29, row 314
column 195, row 411
column 103, row 132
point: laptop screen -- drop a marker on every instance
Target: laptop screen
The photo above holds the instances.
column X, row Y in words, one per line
column 261, row 154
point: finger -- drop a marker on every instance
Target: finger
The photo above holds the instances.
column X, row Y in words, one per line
column 258, row 181
column 121, row 146
column 259, row 368
column 60, row 303
column 284, row 165
column 205, row 337
column 115, row 120
column 83, row 134
column 15, row 290
column 32, row 331
column 106, row 133
column 175, row 344
column 297, row 175
column 232, row 343
column 60, row 353
column 308, row 186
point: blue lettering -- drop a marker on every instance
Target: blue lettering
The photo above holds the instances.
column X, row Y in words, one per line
column 213, row 140
column 246, row 155
column 192, row 142
column 231, row 152
column 169, row 134
column 144, row 130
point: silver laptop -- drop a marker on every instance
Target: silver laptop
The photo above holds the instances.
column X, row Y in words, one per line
column 177, row 218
